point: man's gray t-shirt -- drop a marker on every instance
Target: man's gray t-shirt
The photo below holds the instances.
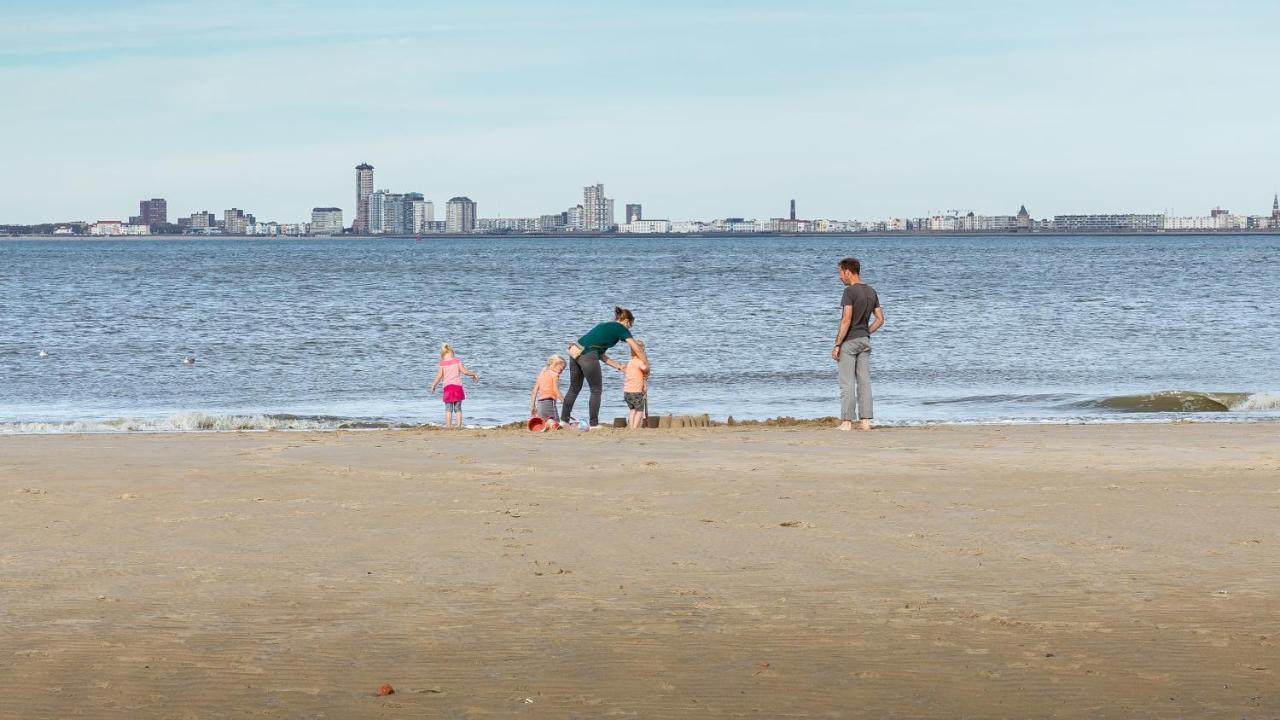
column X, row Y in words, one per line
column 864, row 300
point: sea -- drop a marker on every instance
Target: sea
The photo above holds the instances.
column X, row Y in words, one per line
column 182, row 334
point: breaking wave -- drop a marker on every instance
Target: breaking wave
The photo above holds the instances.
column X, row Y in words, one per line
column 1188, row 401
column 199, row 422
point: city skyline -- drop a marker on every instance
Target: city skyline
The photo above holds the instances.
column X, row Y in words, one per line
column 864, row 109
column 383, row 212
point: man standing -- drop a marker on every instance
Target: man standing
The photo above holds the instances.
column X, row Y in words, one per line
column 852, row 351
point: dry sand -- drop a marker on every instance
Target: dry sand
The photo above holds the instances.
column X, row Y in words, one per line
column 1085, row 572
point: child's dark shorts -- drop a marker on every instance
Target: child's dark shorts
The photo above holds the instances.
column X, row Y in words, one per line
column 635, row 401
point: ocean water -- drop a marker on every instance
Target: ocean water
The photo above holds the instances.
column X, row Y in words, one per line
column 296, row 334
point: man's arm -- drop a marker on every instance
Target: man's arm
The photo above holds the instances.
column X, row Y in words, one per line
column 846, row 319
column 878, row 322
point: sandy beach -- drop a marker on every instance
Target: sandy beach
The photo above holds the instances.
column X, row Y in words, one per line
column 1067, row 571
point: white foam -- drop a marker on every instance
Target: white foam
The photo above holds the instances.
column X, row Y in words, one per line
column 180, row 422
column 1257, row 402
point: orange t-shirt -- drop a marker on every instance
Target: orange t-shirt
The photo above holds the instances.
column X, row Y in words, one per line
column 636, row 376
column 546, row 385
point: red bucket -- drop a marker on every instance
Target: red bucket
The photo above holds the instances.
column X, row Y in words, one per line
column 537, row 424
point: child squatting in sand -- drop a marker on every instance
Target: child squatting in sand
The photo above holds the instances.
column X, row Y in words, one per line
column 450, row 371
column 546, row 390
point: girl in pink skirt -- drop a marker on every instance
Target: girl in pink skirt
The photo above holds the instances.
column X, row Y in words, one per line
column 450, row 371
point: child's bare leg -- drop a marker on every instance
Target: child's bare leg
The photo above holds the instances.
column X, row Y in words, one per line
column 633, row 419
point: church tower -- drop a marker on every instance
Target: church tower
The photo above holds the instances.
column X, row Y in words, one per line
column 1024, row 219
column 1275, row 208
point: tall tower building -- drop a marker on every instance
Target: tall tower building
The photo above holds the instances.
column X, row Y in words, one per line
column 375, row 218
column 364, row 188
column 1275, row 208
column 793, row 209
column 153, row 212
column 597, row 210
column 460, row 215
column 634, row 213
column 421, row 211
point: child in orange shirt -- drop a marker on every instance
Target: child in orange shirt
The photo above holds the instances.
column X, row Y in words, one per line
column 635, row 387
column 546, row 389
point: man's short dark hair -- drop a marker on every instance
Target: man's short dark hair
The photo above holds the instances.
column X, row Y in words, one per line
column 851, row 265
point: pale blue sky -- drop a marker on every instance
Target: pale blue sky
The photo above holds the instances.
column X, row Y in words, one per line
column 697, row 109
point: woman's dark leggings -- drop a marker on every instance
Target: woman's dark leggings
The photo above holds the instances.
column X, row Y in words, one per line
column 587, row 365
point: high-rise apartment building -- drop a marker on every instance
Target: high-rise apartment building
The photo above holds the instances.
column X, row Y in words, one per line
column 1275, row 209
column 364, row 189
column 236, row 221
column 326, row 221
column 597, row 210
column 421, row 212
column 393, row 214
column 202, row 220
column 634, row 213
column 460, row 215
column 376, row 212
column 153, row 212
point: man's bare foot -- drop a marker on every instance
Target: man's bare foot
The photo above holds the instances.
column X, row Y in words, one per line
column 864, row 425
column 845, row 426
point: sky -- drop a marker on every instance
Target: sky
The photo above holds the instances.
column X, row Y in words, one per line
column 695, row 108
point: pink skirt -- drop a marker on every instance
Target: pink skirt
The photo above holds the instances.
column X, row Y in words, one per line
column 454, row 393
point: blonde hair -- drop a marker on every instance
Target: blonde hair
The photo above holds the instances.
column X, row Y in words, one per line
column 556, row 360
column 446, row 350
column 639, row 343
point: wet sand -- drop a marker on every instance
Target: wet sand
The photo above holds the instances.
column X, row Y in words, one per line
column 1075, row 572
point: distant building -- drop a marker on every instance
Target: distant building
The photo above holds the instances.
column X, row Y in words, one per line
column 236, row 222
column 552, row 223
column 689, row 226
column 110, row 228
column 575, row 218
column 1001, row 223
column 386, row 213
column 793, row 210
column 1275, row 211
column 421, row 212
column 516, row 224
column 634, row 212
column 266, row 229
column 1184, row 224
column 597, row 210
column 646, row 227
column 326, row 221
column 394, row 214
column 1024, row 222
column 364, row 189
column 375, row 212
column 1108, row 223
column 733, row 225
column 153, row 212
column 204, row 219
column 460, row 215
